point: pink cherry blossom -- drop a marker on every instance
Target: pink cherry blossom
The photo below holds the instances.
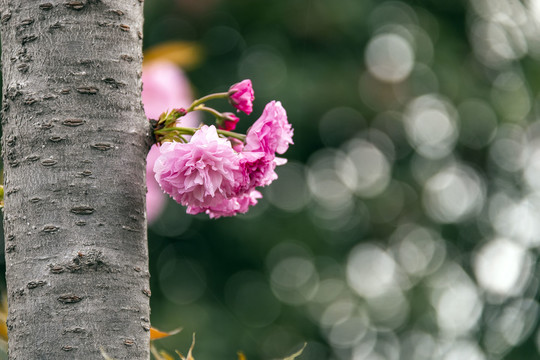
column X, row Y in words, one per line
column 241, row 96
column 164, row 87
column 271, row 133
column 218, row 176
column 199, row 174
column 257, row 170
column 228, row 207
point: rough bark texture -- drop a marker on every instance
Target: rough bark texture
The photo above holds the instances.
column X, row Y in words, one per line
column 74, row 151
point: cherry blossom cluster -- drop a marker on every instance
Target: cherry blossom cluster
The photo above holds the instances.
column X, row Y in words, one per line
column 213, row 170
column 165, row 86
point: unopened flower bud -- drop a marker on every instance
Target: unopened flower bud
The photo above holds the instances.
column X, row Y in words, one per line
column 228, row 121
column 236, row 144
column 179, row 112
column 241, row 96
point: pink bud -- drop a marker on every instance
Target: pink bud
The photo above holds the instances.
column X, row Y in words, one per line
column 241, row 96
column 228, row 121
column 180, row 112
column 237, row 145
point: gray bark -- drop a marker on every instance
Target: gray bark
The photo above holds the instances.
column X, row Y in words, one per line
column 74, row 148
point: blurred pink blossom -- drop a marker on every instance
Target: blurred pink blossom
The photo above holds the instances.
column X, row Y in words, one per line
column 165, row 87
column 241, row 96
column 155, row 198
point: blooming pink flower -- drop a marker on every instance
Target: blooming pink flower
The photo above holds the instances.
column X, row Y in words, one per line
column 209, row 174
column 228, row 207
column 241, row 96
column 164, row 87
column 228, row 122
column 271, row 133
column 257, row 170
column 201, row 173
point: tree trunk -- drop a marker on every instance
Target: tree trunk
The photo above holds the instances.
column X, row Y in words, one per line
column 74, row 148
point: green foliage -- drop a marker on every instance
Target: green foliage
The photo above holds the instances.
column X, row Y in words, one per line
column 406, row 217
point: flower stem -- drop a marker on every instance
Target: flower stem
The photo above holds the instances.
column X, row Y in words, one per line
column 202, row 100
column 191, row 131
column 181, row 130
column 232, row 134
column 209, row 110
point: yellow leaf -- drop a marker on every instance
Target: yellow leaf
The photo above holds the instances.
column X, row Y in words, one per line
column 189, row 355
column 161, row 355
column 296, row 354
column 165, row 355
column 156, row 334
column 241, row 355
column 185, row 54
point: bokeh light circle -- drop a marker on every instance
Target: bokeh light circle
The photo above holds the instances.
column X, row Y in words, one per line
column 389, row 57
column 431, row 126
column 454, row 194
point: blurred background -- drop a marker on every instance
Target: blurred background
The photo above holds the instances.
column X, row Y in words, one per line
column 406, row 224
